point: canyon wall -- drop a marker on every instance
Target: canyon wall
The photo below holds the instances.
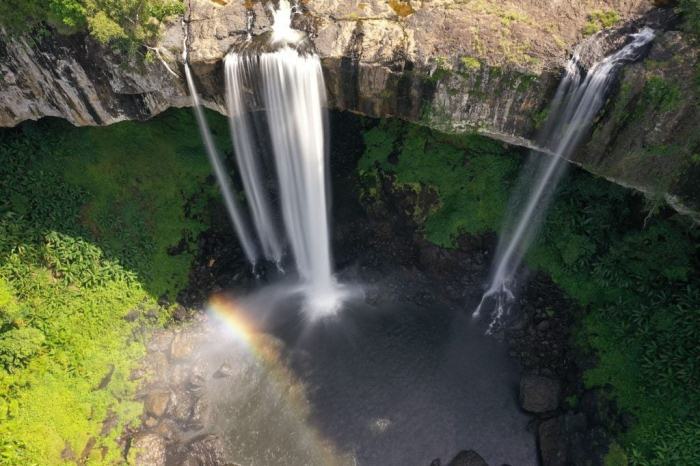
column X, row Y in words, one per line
column 482, row 66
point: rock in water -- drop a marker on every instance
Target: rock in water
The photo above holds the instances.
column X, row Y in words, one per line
column 467, row 458
column 539, row 394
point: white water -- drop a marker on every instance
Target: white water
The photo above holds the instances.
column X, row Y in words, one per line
column 292, row 90
column 238, row 70
column 222, row 177
column 295, row 98
column 282, row 31
column 577, row 101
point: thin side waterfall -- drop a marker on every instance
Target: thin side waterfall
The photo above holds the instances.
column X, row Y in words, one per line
column 238, row 70
column 222, row 177
column 577, row 101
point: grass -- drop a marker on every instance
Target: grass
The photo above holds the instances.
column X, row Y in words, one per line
column 87, row 216
column 636, row 275
column 599, row 20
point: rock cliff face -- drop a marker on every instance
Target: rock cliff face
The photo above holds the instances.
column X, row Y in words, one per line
column 480, row 65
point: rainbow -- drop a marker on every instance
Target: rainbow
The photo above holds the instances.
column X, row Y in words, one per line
column 265, row 349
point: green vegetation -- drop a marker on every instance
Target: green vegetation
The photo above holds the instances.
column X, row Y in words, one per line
column 691, row 12
column 469, row 174
column 86, row 218
column 600, row 19
column 124, row 23
column 470, row 64
column 660, row 94
column 641, row 286
column 637, row 275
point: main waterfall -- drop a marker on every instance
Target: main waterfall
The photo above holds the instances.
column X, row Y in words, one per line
column 295, row 98
column 576, row 103
column 288, row 84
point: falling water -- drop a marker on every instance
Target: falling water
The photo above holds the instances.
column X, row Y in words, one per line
column 577, row 101
column 238, row 69
column 290, row 86
column 294, row 97
column 222, row 177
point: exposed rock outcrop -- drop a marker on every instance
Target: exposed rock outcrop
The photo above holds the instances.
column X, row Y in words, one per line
column 454, row 65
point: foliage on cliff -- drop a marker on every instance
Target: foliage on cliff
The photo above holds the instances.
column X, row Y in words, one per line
column 470, row 176
column 637, row 275
column 121, row 22
column 691, row 11
column 86, row 219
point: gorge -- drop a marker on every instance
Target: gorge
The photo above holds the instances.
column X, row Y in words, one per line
column 290, row 286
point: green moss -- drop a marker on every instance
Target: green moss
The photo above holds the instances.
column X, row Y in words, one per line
column 86, row 218
column 691, row 15
column 660, row 94
column 540, row 118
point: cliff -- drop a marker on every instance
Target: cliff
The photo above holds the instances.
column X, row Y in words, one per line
column 456, row 66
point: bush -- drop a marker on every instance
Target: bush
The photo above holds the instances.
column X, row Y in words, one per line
column 470, row 175
column 17, row 346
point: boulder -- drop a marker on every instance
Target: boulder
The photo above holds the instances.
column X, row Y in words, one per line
column 182, row 404
column 467, row 458
column 183, row 345
column 157, row 402
column 552, row 443
column 539, row 394
column 150, row 450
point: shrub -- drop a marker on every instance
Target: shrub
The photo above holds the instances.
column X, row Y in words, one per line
column 105, row 29
column 600, row 19
column 17, row 346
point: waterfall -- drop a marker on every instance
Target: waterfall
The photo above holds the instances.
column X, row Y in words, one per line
column 295, row 97
column 223, row 179
column 289, row 84
column 238, row 70
column 577, row 101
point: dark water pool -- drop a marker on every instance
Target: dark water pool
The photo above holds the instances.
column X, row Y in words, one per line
column 389, row 385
